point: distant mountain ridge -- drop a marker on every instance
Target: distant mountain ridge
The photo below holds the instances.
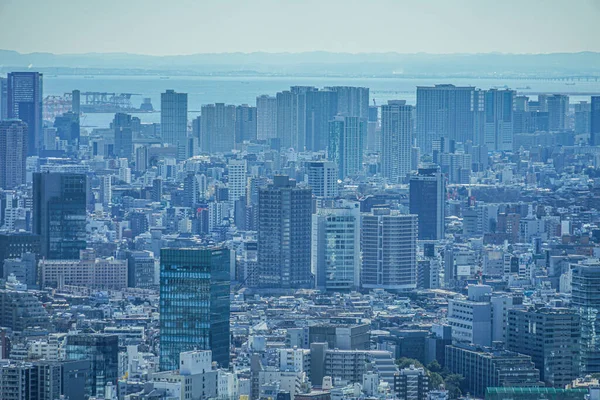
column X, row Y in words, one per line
column 318, row 62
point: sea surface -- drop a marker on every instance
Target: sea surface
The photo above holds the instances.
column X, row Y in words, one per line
column 243, row 90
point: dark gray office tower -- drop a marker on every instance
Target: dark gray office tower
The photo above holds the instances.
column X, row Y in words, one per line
column 284, row 235
column 321, row 107
column 103, row 353
column 217, row 129
column 59, row 214
column 140, row 269
column 558, row 109
column 427, row 199
column 245, row 123
column 25, row 96
column 173, row 119
column 284, row 118
column 13, row 153
column 346, row 143
column 67, row 127
column 396, row 140
column 585, row 298
column 443, row 111
column 194, row 304
column 122, row 126
column 595, row 121
column 352, row 101
column 551, row 337
column 3, row 99
column 76, row 101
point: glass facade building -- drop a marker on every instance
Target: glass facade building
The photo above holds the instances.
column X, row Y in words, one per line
column 427, row 198
column 59, row 214
column 103, row 353
column 194, row 304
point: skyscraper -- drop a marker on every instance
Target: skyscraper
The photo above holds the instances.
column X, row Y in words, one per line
column 266, row 117
column 443, row 111
column 345, row 148
column 396, row 139
column 558, row 109
column 427, row 199
column 585, row 299
column 245, row 124
column 217, row 132
column 336, row 247
column 498, row 120
column 13, row 153
column 25, row 95
column 389, row 250
column 352, row 101
column 123, row 135
column 67, row 128
column 284, row 235
column 194, row 304
column 322, row 178
column 237, row 179
column 321, row 107
column 59, row 214
column 595, row 121
column 284, row 118
column 173, row 119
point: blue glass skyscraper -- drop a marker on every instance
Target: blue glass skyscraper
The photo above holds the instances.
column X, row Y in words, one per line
column 194, row 303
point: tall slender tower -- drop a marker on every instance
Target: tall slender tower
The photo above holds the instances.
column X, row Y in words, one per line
column 427, row 199
column 389, row 250
column 595, row 121
column 25, row 96
column 173, row 119
column 346, row 139
column 194, row 304
column 284, row 235
column 266, row 117
column 396, row 139
column 13, row 153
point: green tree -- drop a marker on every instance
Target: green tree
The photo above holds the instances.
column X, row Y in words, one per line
column 454, row 384
column 405, row 362
column 434, row 366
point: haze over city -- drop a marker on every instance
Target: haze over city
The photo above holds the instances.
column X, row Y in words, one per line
column 299, row 200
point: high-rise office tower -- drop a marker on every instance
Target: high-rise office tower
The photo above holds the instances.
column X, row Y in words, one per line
column 321, row 107
column 352, row 101
column 558, row 109
column 585, row 299
column 322, row 178
column 284, row 230
column 59, row 214
column 427, row 199
column 25, row 95
column 217, row 132
column 336, row 247
column 76, row 101
column 102, row 351
column 284, row 118
column 498, row 120
column 345, row 148
column 266, row 117
column 443, row 111
column 389, row 250
column 67, row 128
column 194, row 304
column 173, row 119
column 299, row 115
column 3, row 98
column 122, row 126
column 237, row 179
column 245, row 124
column 396, row 139
column 595, row 121
column 13, row 153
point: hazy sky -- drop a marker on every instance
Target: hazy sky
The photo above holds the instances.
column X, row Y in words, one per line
column 166, row 27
